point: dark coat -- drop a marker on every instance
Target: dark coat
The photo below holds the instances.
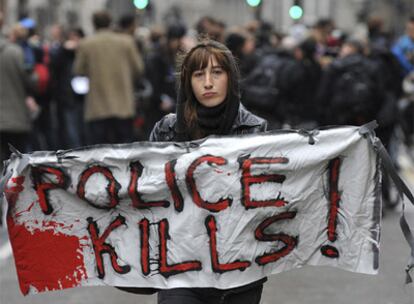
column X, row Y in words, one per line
column 14, row 85
column 245, row 123
column 164, row 130
column 331, row 98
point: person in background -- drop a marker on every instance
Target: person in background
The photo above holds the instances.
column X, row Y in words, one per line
column 16, row 81
column 300, row 80
column 55, row 39
column 45, row 131
column 378, row 38
column 15, row 84
column 242, row 46
column 210, row 27
column 112, row 63
column 127, row 24
column 19, row 36
column 208, row 104
column 160, row 70
column 352, row 89
column 404, row 48
column 69, row 102
column 326, row 45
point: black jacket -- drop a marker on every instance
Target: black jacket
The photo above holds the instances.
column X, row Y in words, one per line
column 338, row 106
column 245, row 123
column 164, row 130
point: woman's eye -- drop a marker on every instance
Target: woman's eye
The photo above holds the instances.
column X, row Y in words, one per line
column 198, row 74
column 218, row 72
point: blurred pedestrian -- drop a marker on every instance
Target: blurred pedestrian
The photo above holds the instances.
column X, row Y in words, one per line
column 351, row 90
column 161, row 70
column 45, row 135
column 16, row 81
column 19, row 36
column 263, row 87
column 209, row 104
column 404, row 47
column 127, row 24
column 15, row 120
column 300, row 83
column 208, row 26
column 112, row 63
column 243, row 46
column 66, row 92
column 377, row 36
column 327, row 47
column 55, row 39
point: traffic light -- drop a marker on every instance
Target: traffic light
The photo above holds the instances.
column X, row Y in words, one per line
column 296, row 10
column 141, row 4
column 254, row 3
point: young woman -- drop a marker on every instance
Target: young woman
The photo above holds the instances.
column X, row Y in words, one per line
column 208, row 103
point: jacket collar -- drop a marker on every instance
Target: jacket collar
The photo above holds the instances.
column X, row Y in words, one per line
column 243, row 119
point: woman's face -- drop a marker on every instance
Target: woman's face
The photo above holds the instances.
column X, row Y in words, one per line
column 210, row 84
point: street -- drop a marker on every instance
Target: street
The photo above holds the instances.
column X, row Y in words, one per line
column 305, row 286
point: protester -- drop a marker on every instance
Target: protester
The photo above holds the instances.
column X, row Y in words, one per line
column 209, row 104
column 327, row 48
column 127, row 24
column 56, row 38
column 160, row 70
column 37, row 59
column 242, row 45
column 210, row 27
column 112, row 63
column 351, row 90
column 15, row 121
column 299, row 81
column 377, row 36
column 404, row 48
column 263, row 87
column 19, row 36
column 69, row 102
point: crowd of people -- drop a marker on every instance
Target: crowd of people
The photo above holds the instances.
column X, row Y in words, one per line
column 311, row 76
column 119, row 84
column 64, row 90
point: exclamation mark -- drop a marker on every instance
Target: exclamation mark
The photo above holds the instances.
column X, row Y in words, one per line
column 334, row 198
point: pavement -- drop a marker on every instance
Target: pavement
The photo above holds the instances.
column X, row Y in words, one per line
column 309, row 285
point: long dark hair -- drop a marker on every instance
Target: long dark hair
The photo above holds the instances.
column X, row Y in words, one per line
column 197, row 58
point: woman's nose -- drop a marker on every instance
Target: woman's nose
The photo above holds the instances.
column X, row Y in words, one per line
column 208, row 81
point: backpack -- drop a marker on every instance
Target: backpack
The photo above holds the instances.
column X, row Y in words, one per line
column 354, row 94
column 42, row 72
column 260, row 87
column 41, row 69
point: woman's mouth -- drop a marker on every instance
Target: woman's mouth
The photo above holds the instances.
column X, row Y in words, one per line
column 209, row 94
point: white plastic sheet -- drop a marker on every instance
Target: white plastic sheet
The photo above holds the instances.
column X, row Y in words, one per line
column 222, row 212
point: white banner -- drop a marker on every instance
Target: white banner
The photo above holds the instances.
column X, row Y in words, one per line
column 221, row 212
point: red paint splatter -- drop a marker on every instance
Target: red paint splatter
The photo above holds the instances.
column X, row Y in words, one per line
column 12, row 193
column 55, row 225
column 24, row 211
column 46, row 260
